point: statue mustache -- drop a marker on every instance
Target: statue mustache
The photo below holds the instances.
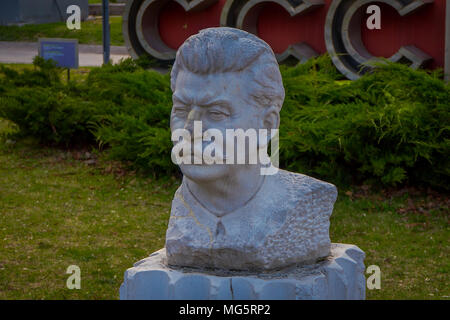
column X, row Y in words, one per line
column 198, row 153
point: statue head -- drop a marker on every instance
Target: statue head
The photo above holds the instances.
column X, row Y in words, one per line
column 224, row 78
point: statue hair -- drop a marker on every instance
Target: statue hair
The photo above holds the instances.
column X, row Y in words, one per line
column 221, row 50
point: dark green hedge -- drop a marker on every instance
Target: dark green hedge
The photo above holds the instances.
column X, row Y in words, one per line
column 389, row 127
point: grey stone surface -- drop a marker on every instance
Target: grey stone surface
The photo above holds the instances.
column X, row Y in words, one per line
column 340, row 276
column 287, row 222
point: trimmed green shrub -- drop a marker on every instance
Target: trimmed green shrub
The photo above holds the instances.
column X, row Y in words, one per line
column 390, row 127
column 43, row 107
column 136, row 128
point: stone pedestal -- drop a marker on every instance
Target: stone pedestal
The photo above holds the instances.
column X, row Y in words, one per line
column 340, row 276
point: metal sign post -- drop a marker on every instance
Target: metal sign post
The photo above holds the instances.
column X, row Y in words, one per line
column 106, row 36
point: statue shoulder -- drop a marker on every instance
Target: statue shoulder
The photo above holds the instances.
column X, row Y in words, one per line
column 297, row 186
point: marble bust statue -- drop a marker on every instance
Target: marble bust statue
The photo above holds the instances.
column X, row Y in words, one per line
column 230, row 216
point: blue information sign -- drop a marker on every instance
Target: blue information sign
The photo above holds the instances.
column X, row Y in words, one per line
column 63, row 51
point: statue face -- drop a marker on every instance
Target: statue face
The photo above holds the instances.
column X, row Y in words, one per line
column 220, row 101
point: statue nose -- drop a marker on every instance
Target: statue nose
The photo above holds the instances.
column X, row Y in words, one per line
column 193, row 115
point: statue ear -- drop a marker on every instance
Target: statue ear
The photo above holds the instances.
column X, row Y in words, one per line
column 271, row 118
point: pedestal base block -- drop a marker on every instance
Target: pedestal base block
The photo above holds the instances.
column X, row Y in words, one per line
column 340, row 276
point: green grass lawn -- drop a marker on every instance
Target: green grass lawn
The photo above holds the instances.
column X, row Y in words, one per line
column 57, row 208
column 56, row 211
column 90, row 32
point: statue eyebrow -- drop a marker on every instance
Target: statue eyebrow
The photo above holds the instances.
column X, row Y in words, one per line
column 207, row 102
column 210, row 103
column 176, row 97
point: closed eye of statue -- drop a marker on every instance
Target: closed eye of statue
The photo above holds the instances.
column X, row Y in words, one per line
column 217, row 114
column 181, row 111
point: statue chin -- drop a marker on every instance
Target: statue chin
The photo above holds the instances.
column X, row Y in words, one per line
column 205, row 173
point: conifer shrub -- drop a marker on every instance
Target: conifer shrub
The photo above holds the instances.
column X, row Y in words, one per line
column 43, row 107
column 390, row 127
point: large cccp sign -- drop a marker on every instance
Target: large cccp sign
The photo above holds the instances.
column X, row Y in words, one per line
column 416, row 32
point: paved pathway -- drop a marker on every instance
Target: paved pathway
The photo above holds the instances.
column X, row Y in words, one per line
column 90, row 55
